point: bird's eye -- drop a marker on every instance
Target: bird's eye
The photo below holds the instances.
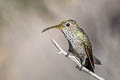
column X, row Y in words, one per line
column 68, row 24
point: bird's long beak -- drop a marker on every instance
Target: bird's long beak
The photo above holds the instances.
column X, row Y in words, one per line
column 56, row 26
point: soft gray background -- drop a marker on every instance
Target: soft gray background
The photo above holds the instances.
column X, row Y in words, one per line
column 28, row 54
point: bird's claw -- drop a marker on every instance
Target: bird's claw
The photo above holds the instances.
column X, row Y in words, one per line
column 79, row 68
column 67, row 55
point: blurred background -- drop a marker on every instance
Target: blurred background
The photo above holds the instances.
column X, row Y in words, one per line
column 28, row 54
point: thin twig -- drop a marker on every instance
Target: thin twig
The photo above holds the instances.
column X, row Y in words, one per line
column 73, row 58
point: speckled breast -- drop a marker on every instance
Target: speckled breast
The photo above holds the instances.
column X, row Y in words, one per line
column 76, row 42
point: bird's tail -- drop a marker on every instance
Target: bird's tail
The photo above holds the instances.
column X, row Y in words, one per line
column 96, row 61
column 88, row 65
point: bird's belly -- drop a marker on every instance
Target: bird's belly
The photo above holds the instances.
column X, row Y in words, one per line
column 79, row 50
column 77, row 45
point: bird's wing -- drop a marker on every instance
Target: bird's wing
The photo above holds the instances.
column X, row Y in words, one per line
column 88, row 50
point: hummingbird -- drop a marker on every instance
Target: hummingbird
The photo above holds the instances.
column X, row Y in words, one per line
column 79, row 43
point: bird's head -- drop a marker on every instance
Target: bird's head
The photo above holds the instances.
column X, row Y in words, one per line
column 64, row 25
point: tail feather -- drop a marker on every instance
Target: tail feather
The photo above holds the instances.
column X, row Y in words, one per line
column 96, row 61
column 88, row 65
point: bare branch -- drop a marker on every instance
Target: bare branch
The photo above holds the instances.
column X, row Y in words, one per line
column 61, row 51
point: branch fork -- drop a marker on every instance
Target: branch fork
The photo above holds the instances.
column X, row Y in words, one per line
column 73, row 58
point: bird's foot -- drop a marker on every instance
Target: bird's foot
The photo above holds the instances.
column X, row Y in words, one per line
column 79, row 68
column 68, row 53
